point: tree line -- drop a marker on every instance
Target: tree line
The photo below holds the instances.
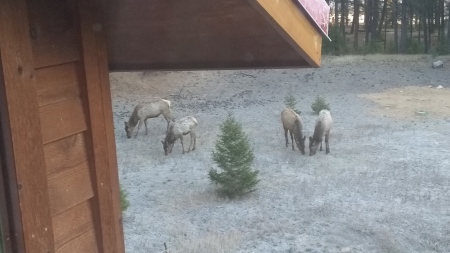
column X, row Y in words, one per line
column 390, row 26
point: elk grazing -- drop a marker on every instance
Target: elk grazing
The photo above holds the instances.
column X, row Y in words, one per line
column 322, row 128
column 293, row 123
column 144, row 111
column 178, row 129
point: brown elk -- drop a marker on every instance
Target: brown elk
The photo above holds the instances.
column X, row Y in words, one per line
column 293, row 124
column 178, row 129
column 144, row 111
column 322, row 128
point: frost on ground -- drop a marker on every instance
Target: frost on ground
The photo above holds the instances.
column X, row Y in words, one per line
column 383, row 188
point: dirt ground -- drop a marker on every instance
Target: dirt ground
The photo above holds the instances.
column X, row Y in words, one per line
column 412, row 102
column 383, row 188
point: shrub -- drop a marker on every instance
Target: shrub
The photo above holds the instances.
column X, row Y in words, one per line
column 374, row 47
column 338, row 45
column 291, row 102
column 234, row 157
column 442, row 46
column 319, row 104
column 414, row 47
column 390, row 48
column 433, row 52
column 123, row 199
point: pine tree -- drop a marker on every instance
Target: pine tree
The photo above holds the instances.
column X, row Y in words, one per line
column 291, row 102
column 234, row 156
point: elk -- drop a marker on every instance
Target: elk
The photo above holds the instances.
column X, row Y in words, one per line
column 293, row 124
column 144, row 111
column 178, row 129
column 322, row 128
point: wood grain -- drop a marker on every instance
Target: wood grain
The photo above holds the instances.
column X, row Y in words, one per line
column 294, row 26
column 62, row 119
column 201, row 34
column 65, row 153
column 110, row 139
column 105, row 174
column 58, row 83
column 85, row 243
column 5, row 233
column 20, row 119
column 53, row 34
column 72, row 223
column 69, row 187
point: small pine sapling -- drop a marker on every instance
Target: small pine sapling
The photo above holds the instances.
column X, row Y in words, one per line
column 319, row 104
column 291, row 102
column 234, row 156
column 123, row 199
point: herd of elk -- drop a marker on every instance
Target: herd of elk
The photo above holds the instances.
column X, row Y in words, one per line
column 176, row 129
column 292, row 123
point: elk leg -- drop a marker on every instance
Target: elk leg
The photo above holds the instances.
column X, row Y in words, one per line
column 146, row 129
column 286, row 137
column 292, row 140
column 139, row 126
column 195, row 140
column 190, row 142
column 168, row 119
column 326, row 142
column 320, row 145
column 182, row 144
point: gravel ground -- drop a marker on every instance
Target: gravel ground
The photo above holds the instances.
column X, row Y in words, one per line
column 383, row 188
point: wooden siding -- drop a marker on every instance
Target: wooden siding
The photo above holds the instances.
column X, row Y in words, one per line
column 66, row 162
column 294, row 26
column 21, row 119
column 200, row 34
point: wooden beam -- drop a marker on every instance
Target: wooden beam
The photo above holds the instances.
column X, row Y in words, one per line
column 22, row 138
column 106, row 182
column 194, row 35
column 294, row 26
column 5, row 231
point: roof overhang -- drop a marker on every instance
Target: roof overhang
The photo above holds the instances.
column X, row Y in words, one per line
column 212, row 34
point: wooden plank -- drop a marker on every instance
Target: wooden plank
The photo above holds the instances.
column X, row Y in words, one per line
column 53, row 34
column 72, row 223
column 58, row 83
column 201, row 34
column 65, row 153
column 57, row 51
column 5, row 231
column 86, row 243
column 101, row 127
column 294, row 26
column 110, row 139
column 69, row 187
column 20, row 119
column 211, row 65
column 9, row 197
column 62, row 119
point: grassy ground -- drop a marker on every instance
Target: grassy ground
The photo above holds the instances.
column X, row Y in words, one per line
column 383, row 188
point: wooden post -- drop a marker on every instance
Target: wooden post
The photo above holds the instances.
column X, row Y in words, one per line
column 106, row 180
column 21, row 129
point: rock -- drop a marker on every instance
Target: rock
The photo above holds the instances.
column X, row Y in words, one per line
column 437, row 64
column 439, row 87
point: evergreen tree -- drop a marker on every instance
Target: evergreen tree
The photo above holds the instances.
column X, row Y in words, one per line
column 234, row 157
column 291, row 102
